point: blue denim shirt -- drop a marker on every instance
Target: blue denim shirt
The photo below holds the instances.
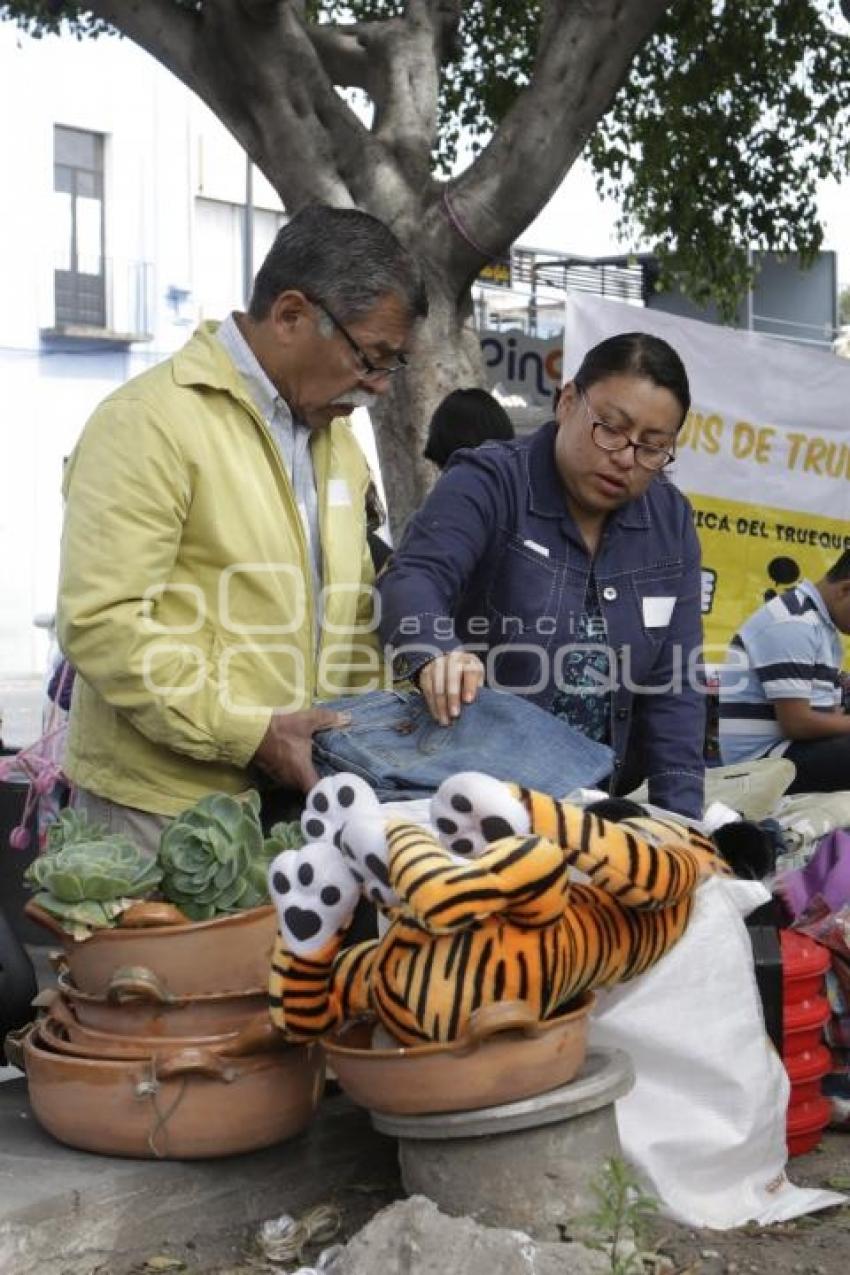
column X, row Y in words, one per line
column 494, row 562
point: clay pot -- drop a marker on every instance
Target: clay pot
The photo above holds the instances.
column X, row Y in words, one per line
column 226, row 954
column 61, row 1031
column 137, row 1004
column 506, row 1055
column 188, row 1105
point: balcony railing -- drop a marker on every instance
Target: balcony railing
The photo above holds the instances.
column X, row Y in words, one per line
column 102, row 299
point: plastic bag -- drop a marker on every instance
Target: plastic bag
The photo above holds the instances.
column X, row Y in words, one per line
column 705, row 1122
column 40, row 767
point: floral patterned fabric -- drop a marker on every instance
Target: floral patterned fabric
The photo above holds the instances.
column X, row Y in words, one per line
column 584, row 697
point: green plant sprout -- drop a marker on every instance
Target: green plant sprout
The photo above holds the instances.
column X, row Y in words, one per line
column 618, row 1224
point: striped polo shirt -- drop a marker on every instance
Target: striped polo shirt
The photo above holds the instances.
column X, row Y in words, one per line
column 788, row 649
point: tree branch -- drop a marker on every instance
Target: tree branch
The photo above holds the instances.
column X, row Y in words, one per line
column 346, row 52
column 406, row 109
column 584, row 53
column 168, row 33
column 265, row 82
column 264, row 10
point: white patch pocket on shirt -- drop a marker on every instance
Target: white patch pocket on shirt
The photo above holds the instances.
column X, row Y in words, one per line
column 657, row 612
column 338, row 493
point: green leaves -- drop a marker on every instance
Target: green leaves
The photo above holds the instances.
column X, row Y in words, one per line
column 214, row 857
column 730, row 117
column 87, row 883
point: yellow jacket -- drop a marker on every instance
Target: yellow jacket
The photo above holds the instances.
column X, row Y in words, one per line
column 185, row 600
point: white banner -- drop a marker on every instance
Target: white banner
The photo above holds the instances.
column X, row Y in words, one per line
column 764, row 454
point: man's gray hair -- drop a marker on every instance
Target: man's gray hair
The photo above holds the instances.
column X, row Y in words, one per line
column 343, row 258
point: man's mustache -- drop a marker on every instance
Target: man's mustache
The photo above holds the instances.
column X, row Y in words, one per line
column 354, row 398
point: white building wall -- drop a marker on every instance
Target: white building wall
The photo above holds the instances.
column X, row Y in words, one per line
column 174, row 182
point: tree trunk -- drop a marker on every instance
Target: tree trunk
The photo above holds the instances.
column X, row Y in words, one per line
column 446, row 356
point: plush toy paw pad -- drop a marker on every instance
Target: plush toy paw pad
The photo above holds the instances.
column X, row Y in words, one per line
column 364, row 844
column 470, row 811
column 332, row 802
column 314, row 893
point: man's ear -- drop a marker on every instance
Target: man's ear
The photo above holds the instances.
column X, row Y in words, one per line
column 288, row 310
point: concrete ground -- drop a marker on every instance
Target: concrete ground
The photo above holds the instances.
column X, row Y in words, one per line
column 64, row 1212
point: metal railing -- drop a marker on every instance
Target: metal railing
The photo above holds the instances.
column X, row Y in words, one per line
column 102, row 296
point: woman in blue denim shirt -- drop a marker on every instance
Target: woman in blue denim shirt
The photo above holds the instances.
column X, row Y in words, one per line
column 565, row 567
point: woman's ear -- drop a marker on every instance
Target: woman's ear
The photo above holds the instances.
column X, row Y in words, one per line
column 567, row 396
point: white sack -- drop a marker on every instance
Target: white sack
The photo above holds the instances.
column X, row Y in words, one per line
column 705, row 1122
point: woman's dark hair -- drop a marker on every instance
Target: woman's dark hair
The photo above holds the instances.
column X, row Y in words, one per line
column 840, row 570
column 638, row 354
column 465, row 418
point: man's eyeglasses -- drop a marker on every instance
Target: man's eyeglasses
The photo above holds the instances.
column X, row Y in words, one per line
column 369, row 369
column 612, row 439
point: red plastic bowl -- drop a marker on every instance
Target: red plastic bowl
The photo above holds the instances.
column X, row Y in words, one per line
column 804, row 963
column 802, row 1026
column 805, row 1071
column 805, row 1125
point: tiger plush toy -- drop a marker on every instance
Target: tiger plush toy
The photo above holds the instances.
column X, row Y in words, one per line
column 491, row 912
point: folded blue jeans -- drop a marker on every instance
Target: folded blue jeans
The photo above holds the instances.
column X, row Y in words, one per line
column 396, row 746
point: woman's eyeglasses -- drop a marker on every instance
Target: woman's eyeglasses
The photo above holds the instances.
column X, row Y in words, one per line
column 370, row 369
column 611, row 439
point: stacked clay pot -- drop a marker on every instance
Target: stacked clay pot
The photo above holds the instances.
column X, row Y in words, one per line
column 157, row 1041
column 805, row 1011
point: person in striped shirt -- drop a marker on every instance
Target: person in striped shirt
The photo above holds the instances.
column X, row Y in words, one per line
column 780, row 688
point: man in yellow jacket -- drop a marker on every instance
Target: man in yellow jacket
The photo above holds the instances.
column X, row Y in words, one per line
column 215, row 580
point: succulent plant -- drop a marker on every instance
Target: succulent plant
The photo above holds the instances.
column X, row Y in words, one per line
column 86, row 885
column 71, row 826
column 284, row 836
column 214, row 858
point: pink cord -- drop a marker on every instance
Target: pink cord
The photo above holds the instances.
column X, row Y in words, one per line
column 43, row 770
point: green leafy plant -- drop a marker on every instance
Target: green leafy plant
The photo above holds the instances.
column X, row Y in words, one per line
column 73, row 826
column 212, row 860
column 214, row 856
column 618, row 1224
column 284, row 836
column 87, row 883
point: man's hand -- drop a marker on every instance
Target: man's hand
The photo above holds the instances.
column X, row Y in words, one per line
column 286, row 752
column 448, row 681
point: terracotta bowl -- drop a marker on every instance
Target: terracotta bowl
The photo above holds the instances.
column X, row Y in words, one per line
column 136, row 1004
column 188, row 1105
column 61, row 1032
column 226, row 954
column 507, row 1055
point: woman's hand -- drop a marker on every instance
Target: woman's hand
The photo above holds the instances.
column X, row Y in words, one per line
column 448, row 681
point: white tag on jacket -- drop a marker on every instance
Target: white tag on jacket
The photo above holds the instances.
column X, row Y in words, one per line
column 338, row 493
column 657, row 612
column 541, row 549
